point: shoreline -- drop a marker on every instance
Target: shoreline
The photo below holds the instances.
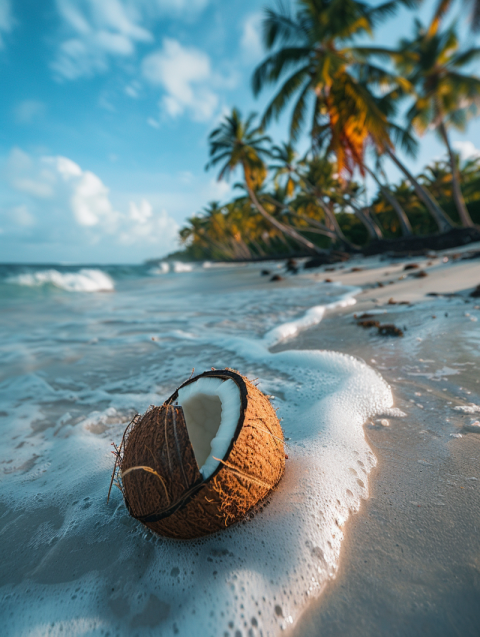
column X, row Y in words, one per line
column 409, row 561
column 415, row 244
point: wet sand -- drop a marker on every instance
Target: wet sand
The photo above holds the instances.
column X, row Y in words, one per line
column 410, row 561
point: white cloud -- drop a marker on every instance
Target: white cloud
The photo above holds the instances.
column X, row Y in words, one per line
column 6, row 19
column 251, row 40
column 96, row 32
column 153, row 122
column 147, row 226
column 141, row 213
column 27, row 111
column 466, row 150
column 60, row 198
column 186, row 75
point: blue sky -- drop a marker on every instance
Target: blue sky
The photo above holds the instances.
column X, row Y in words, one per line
column 105, row 112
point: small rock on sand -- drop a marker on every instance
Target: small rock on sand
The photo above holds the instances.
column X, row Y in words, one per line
column 389, row 330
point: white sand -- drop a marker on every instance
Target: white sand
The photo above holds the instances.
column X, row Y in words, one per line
column 409, row 565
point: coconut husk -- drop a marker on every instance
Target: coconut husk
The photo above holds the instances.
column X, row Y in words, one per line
column 160, row 478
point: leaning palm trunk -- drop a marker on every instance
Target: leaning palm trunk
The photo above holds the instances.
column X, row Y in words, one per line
column 240, row 249
column 285, row 230
column 373, row 229
column 329, row 214
column 400, row 212
column 463, row 213
column 442, row 220
column 258, row 248
column 320, row 227
column 328, row 232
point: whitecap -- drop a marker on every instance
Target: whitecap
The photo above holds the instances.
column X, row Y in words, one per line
column 85, row 280
column 180, row 266
column 162, row 268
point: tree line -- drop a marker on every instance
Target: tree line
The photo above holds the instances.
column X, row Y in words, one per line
column 359, row 104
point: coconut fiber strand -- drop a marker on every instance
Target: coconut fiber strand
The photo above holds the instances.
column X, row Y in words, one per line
column 161, row 481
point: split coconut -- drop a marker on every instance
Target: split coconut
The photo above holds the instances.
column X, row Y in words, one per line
column 203, row 459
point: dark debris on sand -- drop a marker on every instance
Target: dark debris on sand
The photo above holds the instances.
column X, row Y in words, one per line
column 393, row 302
column 368, row 323
column 276, row 277
column 421, row 274
column 291, row 266
column 476, row 292
column 389, row 329
column 334, row 256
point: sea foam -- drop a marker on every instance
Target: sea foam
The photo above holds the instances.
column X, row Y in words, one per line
column 162, row 268
column 179, row 266
column 85, row 280
column 76, row 565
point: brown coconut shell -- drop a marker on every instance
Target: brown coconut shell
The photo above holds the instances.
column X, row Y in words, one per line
column 160, row 478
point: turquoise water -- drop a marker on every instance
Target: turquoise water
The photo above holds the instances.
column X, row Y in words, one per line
column 82, row 350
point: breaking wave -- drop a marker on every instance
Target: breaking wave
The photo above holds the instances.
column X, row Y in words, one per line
column 84, row 280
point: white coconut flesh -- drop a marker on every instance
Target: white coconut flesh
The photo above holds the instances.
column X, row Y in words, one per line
column 211, row 407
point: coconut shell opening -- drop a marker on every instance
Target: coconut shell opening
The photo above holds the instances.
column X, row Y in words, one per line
column 193, row 469
column 211, row 408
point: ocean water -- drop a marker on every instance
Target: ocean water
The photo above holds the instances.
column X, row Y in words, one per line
column 85, row 348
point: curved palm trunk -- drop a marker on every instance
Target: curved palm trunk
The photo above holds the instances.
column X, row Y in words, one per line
column 462, row 210
column 322, row 229
column 329, row 214
column 373, row 229
column 290, row 232
column 328, row 232
column 258, row 248
column 240, row 249
column 442, row 220
column 400, row 212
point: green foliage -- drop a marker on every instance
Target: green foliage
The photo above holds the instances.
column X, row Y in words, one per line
column 343, row 101
column 237, row 231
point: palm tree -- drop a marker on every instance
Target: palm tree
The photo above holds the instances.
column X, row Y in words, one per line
column 444, row 95
column 337, row 81
column 219, row 227
column 240, row 143
column 314, row 175
column 285, row 167
column 390, row 197
column 329, row 77
column 444, row 5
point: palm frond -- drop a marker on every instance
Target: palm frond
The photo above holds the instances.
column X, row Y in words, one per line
column 284, row 94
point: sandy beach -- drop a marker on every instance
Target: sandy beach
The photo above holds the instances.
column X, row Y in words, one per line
column 410, row 560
